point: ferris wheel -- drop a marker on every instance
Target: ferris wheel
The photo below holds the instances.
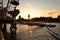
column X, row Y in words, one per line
column 10, row 8
column 11, row 4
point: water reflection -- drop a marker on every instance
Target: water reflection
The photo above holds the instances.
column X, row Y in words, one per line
column 26, row 32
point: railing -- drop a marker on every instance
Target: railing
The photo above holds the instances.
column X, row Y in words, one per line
column 55, row 35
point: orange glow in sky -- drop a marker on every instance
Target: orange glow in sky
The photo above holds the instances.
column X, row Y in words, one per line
column 38, row 8
column 34, row 11
column 38, row 13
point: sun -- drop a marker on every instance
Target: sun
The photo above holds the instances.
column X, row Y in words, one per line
column 32, row 14
column 26, row 13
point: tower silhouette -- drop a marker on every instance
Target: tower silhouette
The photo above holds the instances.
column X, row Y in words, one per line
column 28, row 16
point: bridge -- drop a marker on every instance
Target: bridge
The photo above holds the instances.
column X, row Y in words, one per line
column 36, row 24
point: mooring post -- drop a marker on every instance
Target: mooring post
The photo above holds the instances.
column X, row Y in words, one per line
column 4, row 30
column 13, row 29
column 0, row 31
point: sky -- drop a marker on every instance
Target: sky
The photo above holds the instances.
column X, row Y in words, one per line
column 38, row 8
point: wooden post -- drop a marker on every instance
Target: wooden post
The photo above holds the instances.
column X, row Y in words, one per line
column 0, row 35
column 4, row 32
column 13, row 31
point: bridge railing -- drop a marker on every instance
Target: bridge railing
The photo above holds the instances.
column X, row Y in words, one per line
column 55, row 35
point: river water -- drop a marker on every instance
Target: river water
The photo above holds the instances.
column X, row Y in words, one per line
column 26, row 32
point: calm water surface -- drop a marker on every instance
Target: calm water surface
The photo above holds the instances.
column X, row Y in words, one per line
column 25, row 32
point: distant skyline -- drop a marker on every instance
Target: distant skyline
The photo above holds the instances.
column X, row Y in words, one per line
column 37, row 8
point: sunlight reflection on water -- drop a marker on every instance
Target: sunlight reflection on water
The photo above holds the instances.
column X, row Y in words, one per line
column 35, row 33
column 25, row 32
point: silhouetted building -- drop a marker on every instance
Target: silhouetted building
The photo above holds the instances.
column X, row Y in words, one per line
column 47, row 19
column 59, row 17
column 19, row 17
column 28, row 16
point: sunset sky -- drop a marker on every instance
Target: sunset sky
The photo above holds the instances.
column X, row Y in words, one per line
column 38, row 8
